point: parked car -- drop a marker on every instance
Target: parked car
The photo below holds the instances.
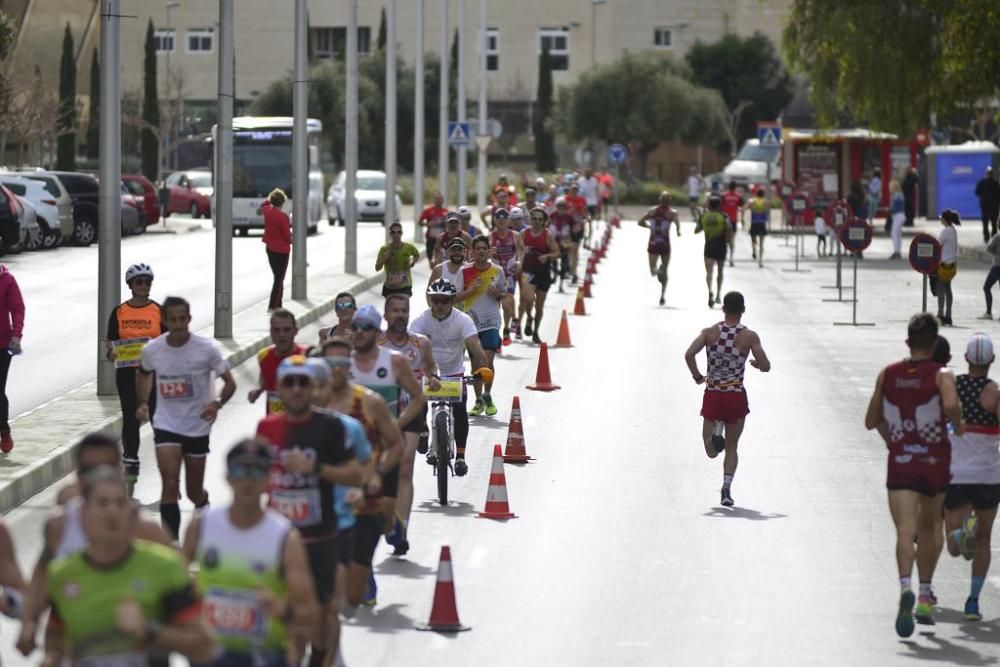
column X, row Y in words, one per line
column 140, row 186
column 10, row 220
column 64, row 203
column 133, row 213
column 369, row 195
column 83, row 189
column 190, row 192
column 46, row 209
column 29, row 237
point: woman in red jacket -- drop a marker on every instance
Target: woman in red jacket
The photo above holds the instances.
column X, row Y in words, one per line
column 278, row 241
column 11, row 324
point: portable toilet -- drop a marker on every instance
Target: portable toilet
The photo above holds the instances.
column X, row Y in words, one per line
column 952, row 174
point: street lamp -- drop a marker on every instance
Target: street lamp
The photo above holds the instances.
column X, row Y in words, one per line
column 171, row 4
column 593, row 30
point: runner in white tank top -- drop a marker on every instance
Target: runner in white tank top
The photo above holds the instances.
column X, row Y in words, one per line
column 452, row 269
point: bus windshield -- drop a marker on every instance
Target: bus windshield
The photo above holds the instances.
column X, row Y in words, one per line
column 259, row 168
column 758, row 153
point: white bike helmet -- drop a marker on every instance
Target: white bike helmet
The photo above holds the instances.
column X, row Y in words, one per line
column 442, row 287
column 137, row 270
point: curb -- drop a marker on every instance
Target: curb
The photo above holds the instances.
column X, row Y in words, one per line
column 179, row 228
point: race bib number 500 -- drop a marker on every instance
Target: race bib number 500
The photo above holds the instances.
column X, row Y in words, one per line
column 234, row 613
column 176, row 386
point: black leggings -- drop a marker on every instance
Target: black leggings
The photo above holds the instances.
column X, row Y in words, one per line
column 460, row 421
column 5, row 358
column 125, row 381
column 279, row 264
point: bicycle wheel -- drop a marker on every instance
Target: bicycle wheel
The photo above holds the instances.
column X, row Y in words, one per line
column 443, row 460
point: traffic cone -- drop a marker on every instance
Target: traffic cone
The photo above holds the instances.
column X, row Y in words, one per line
column 562, row 340
column 616, row 221
column 444, row 612
column 515, row 452
column 543, row 379
column 592, row 266
column 586, row 287
column 579, row 308
column 497, row 506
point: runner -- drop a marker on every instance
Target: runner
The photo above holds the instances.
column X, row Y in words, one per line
column 183, row 364
column 518, row 220
column 577, row 206
column 488, row 286
column 452, row 269
column 974, row 491
column 417, row 350
column 452, row 231
column 561, row 224
column 432, row 218
column 911, row 401
column 718, row 234
column 658, row 220
column 531, row 200
column 695, row 186
column 589, row 190
column 466, row 214
column 252, row 568
column 732, row 206
column 540, row 249
column 283, row 332
column 725, row 406
column 398, row 260
column 451, row 332
column 760, row 214
column 130, row 326
column 309, row 456
column 500, row 203
column 344, row 305
column 12, row 585
column 121, row 599
column 508, row 190
column 507, row 250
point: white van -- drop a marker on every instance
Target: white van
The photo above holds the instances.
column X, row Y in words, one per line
column 754, row 165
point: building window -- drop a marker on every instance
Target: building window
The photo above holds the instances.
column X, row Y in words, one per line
column 163, row 41
column 556, row 40
column 330, row 42
column 492, row 49
column 199, row 40
column 663, row 38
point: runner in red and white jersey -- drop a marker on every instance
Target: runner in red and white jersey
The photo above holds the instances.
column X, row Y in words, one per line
column 658, row 220
column 561, row 224
column 732, row 205
column 432, row 218
column 452, row 231
column 507, row 250
column 540, row 252
column 500, row 203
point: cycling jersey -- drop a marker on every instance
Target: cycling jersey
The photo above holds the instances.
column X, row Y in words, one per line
column 85, row 600
column 483, row 307
column 184, row 382
column 268, row 360
column 380, row 378
column 447, row 338
column 130, row 328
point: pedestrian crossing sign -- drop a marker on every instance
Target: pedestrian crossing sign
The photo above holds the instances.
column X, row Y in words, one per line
column 458, row 134
column 769, row 134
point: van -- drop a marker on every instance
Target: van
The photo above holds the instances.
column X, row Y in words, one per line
column 754, row 164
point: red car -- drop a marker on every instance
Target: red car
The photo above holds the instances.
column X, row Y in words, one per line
column 140, row 187
column 190, row 192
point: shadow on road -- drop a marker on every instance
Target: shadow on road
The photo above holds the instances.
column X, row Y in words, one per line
column 401, row 567
column 945, row 651
column 452, row 509
column 743, row 513
column 383, row 619
column 974, row 631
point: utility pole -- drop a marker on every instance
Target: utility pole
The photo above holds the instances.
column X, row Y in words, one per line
column 351, row 142
column 593, row 30
column 390, row 114
column 443, row 104
column 164, row 159
column 481, row 130
column 300, row 154
column 109, row 249
column 463, row 151
column 418, row 125
column 224, row 178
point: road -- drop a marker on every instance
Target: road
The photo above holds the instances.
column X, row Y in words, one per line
column 620, row 553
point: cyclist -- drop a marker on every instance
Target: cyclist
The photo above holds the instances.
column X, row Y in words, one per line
column 488, row 286
column 760, row 213
column 561, row 223
column 345, row 305
column 577, row 206
column 658, row 220
column 432, row 218
column 540, row 249
column 974, row 490
column 451, row 332
column 453, row 230
column 130, row 326
column 252, row 568
column 309, row 457
column 187, row 406
column 732, row 205
column 695, row 185
column 121, row 598
column 283, row 332
column 911, row 401
column 417, row 350
column 398, row 259
column 507, row 250
column 500, row 203
column 725, row 407
column 718, row 235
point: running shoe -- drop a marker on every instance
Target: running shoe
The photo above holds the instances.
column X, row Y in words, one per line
column 535, row 339
column 663, row 301
column 986, row 316
column 904, row 619
column 6, row 442
column 972, row 610
column 967, row 541
column 515, row 326
column 718, row 299
column 402, row 548
column 718, row 437
column 461, row 467
column 506, row 337
column 432, row 458
column 423, row 442
column 477, row 409
column 396, row 536
column 491, row 409
column 527, row 326
column 131, row 475
column 711, row 300
column 924, row 612
column 727, row 498
column 371, row 594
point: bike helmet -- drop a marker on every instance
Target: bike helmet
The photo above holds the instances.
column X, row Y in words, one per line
column 137, row 270
column 517, row 213
column 442, row 287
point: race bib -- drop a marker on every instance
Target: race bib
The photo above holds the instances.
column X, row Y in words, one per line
column 130, row 659
column 450, row 391
column 300, row 506
column 396, row 279
column 234, row 613
column 128, row 352
column 274, row 403
column 176, row 386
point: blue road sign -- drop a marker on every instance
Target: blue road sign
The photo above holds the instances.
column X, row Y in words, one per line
column 769, row 134
column 617, row 153
column 458, row 134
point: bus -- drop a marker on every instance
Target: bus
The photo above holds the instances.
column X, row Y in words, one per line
column 262, row 161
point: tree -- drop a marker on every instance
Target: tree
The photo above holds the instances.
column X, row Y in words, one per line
column 545, row 145
column 150, row 142
column 8, row 32
column 453, row 77
column 66, row 143
column 749, row 75
column 94, row 111
column 380, row 40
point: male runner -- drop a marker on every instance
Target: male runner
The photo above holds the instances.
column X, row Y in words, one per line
column 500, row 203
column 453, row 230
column 540, row 249
column 187, row 407
column 130, row 326
column 561, row 223
column 974, row 491
column 12, row 584
column 452, row 269
column 466, row 214
column 718, row 237
column 760, row 213
column 589, row 190
column 695, row 185
column 577, row 208
column 732, row 205
column 531, row 200
column 911, row 401
column 658, row 220
column 309, row 456
column 725, row 406
column 283, row 332
column 252, row 568
column 507, row 250
column 488, row 284
column 432, row 218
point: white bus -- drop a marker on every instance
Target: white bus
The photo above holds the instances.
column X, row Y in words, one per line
column 262, row 161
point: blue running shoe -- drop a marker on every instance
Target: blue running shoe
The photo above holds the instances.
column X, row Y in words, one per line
column 396, row 535
column 972, row 610
column 370, row 595
column 904, row 619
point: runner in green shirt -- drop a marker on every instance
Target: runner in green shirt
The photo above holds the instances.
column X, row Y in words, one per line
column 397, row 258
column 718, row 236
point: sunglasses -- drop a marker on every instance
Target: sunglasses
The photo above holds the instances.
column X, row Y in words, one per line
column 344, row 306
column 363, row 326
column 296, row 381
column 142, row 282
column 238, row 471
column 338, row 362
column 538, row 218
column 395, row 233
column 441, row 300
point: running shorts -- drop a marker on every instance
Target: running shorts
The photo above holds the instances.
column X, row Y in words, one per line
column 541, row 281
column 725, row 406
column 418, row 424
column 658, row 248
column 323, row 564
column 758, row 229
column 190, row 445
column 405, row 291
column 490, row 340
column 980, row 496
column 345, row 545
column 716, row 249
column 367, row 531
column 390, row 483
column 594, row 211
column 511, row 282
column 575, row 237
column 927, row 475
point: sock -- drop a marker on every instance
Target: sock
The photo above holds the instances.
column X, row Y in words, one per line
column 925, row 589
column 905, row 583
column 459, row 452
column 170, row 517
column 977, row 585
column 727, row 481
column 956, row 535
column 316, row 657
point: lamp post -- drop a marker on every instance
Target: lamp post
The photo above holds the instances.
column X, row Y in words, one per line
column 171, row 4
column 593, row 30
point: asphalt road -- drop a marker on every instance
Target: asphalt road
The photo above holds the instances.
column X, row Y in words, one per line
column 620, row 553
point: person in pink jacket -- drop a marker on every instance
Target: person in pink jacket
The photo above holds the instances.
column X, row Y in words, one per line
column 278, row 241
column 11, row 327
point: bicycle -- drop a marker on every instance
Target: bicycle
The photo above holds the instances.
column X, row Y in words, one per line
column 442, row 432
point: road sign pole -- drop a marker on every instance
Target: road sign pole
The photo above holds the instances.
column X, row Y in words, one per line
column 300, row 153
column 418, row 124
column 481, row 130
column 443, row 107
column 854, row 303
column 462, row 161
column 390, row 116
column 798, row 242
column 224, row 183
column 351, row 142
column 924, row 303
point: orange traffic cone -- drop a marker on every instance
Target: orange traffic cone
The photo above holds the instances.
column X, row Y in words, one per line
column 497, row 506
column 579, row 308
column 616, row 221
column 444, row 612
column 586, row 287
column 515, row 451
column 543, row 379
column 562, row 340
column 592, row 265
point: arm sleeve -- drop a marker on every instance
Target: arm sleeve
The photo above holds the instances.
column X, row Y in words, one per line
column 112, row 333
column 16, row 305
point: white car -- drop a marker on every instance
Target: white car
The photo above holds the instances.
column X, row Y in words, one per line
column 45, row 206
column 369, row 195
column 30, row 238
column 58, row 192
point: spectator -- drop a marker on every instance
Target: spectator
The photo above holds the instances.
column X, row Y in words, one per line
column 398, row 259
column 896, row 215
column 993, row 277
column 911, row 193
column 875, row 197
column 949, row 263
column 278, row 242
column 988, row 192
column 858, row 204
column 11, row 326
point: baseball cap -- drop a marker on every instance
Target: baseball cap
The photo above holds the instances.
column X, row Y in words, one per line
column 516, row 213
column 367, row 314
column 453, row 217
column 979, row 349
column 250, row 452
column 501, row 214
column 320, row 369
column 456, row 242
column 297, row 364
column 733, row 303
column 465, row 211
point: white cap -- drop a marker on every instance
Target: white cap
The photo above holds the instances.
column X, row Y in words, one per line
column 516, row 213
column 465, row 211
column 979, row 350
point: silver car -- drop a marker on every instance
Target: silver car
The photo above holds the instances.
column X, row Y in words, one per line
column 46, row 209
column 64, row 204
column 30, row 238
column 369, row 195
